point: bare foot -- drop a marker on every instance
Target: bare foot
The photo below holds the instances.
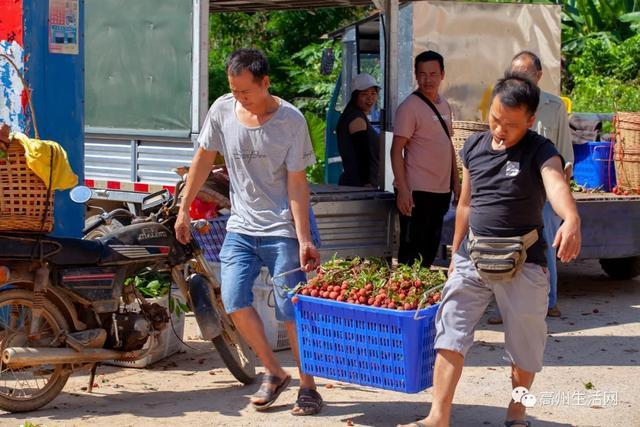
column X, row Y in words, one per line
column 516, row 411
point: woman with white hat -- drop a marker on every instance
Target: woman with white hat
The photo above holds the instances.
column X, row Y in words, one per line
column 358, row 141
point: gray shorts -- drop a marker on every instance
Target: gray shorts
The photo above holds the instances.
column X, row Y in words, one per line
column 522, row 303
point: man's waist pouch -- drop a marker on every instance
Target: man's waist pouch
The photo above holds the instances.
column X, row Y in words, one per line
column 499, row 258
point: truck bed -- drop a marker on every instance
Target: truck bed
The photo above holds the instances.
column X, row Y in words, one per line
column 354, row 221
column 610, row 225
column 587, row 197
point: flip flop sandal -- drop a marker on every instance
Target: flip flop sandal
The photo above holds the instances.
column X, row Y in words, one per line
column 268, row 394
column 513, row 423
column 309, row 402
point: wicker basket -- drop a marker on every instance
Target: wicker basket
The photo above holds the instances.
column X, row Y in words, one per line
column 463, row 130
column 626, row 152
column 25, row 202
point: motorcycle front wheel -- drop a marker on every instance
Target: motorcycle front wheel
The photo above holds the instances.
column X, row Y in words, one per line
column 234, row 351
column 32, row 387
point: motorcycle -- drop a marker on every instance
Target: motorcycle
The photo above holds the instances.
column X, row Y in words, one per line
column 64, row 305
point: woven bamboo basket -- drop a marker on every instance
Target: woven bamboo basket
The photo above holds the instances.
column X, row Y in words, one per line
column 463, row 130
column 626, row 152
column 25, row 202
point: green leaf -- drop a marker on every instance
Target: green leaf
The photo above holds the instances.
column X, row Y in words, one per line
column 630, row 17
column 316, row 127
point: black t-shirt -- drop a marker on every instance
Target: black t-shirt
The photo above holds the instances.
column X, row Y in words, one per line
column 359, row 151
column 507, row 193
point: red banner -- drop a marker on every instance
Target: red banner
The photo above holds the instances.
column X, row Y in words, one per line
column 11, row 21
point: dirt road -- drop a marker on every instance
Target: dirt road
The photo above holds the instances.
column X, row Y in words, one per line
column 591, row 373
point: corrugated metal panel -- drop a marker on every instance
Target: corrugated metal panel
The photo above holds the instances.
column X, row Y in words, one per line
column 356, row 228
column 107, row 159
column 157, row 159
column 119, row 158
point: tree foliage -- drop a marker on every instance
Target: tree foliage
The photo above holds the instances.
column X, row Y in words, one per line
column 606, row 76
column 291, row 41
column 610, row 21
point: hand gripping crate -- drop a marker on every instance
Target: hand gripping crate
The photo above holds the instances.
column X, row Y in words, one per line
column 370, row 346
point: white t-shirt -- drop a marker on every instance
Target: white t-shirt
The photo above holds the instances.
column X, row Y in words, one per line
column 258, row 159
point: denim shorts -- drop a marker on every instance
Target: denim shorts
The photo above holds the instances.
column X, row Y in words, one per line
column 241, row 258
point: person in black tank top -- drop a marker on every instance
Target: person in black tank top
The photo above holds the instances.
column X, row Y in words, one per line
column 358, row 141
column 507, row 174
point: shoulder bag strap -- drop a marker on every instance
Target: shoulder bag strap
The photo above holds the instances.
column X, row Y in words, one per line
column 435, row 110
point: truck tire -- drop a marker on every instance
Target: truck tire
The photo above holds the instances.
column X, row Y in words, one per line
column 621, row 268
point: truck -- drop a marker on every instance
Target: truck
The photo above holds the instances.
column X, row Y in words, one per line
column 143, row 110
column 477, row 41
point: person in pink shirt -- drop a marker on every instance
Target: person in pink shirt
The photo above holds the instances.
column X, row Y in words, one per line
column 423, row 161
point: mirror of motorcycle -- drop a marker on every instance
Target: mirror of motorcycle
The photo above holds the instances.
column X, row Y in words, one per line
column 80, row 194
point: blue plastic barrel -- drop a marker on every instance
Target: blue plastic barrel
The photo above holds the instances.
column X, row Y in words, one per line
column 593, row 166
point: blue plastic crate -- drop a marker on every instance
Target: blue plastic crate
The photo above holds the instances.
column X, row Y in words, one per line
column 211, row 242
column 364, row 345
column 593, row 166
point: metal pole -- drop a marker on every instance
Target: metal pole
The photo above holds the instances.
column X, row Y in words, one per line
column 390, row 17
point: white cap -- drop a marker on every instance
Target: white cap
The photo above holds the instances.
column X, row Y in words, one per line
column 363, row 81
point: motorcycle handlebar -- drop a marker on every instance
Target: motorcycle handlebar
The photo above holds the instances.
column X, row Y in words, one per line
column 120, row 212
column 179, row 187
column 98, row 221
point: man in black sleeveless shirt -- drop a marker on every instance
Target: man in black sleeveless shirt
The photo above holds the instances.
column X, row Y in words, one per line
column 506, row 174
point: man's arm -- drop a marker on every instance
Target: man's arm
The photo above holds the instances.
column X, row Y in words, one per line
column 198, row 173
column 462, row 214
column 568, row 237
column 298, row 192
column 455, row 176
column 404, row 199
column 564, row 145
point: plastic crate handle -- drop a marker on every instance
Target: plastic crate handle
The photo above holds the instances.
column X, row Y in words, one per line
column 603, row 147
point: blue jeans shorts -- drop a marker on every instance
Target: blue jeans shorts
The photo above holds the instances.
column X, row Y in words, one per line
column 241, row 258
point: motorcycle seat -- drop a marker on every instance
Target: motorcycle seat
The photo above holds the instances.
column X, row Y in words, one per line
column 58, row 250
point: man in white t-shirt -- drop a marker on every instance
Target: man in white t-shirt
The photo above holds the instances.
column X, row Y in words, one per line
column 266, row 146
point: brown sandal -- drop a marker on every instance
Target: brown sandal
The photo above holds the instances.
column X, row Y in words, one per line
column 309, row 402
column 270, row 394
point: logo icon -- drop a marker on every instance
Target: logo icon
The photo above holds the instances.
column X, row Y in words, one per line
column 517, row 393
column 522, row 395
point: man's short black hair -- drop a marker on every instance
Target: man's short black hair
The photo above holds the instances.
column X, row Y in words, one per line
column 252, row 60
column 429, row 55
column 535, row 58
column 516, row 89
